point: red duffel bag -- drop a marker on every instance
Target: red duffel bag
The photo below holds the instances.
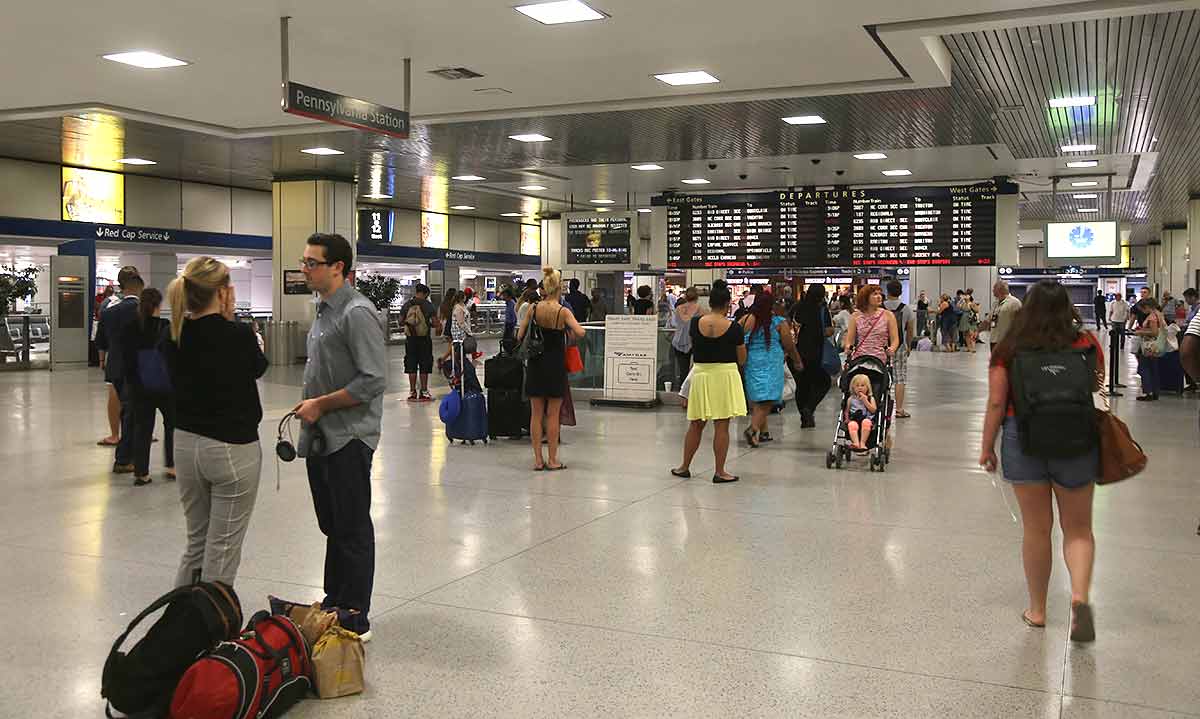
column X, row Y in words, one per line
column 258, row 676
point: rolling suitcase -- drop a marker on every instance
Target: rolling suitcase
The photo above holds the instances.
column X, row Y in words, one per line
column 471, row 424
column 508, row 413
column 1170, row 373
column 504, row 372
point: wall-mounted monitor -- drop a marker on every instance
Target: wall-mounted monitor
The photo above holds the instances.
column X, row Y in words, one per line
column 435, row 230
column 1083, row 243
column 599, row 241
column 93, row 196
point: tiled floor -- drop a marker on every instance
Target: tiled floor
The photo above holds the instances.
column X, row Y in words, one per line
column 616, row 590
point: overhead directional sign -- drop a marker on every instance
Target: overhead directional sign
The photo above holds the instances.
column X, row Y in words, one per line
column 329, row 106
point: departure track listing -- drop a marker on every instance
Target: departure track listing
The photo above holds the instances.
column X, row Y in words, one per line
column 912, row 226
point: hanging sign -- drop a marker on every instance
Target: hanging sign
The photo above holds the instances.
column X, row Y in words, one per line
column 329, row 106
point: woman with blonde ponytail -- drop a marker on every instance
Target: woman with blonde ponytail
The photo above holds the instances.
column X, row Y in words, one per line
column 215, row 362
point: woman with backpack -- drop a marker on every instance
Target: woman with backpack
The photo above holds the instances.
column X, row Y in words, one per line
column 148, row 381
column 215, row 362
column 1049, row 448
column 681, row 340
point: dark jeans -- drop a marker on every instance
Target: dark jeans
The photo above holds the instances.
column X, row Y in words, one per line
column 341, row 492
column 683, row 364
column 124, row 453
column 812, row 384
column 145, row 405
column 1148, row 369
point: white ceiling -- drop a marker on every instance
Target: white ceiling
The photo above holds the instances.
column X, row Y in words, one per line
column 356, row 48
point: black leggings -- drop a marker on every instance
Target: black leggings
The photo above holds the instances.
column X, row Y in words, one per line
column 145, row 404
column 812, row 384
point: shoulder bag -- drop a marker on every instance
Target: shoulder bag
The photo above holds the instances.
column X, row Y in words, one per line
column 533, row 344
column 1121, row 457
column 831, row 359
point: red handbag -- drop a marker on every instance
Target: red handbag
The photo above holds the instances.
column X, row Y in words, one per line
column 574, row 359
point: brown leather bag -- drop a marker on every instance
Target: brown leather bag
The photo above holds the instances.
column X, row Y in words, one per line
column 1121, row 457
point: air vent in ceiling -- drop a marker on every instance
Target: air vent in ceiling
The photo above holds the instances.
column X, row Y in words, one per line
column 1010, row 109
column 455, row 73
column 492, row 91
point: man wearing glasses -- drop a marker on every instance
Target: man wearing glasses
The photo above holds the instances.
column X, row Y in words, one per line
column 344, row 382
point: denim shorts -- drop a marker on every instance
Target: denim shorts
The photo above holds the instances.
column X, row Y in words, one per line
column 1020, row 468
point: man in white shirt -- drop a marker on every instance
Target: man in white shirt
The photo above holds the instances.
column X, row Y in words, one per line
column 1003, row 313
column 1118, row 316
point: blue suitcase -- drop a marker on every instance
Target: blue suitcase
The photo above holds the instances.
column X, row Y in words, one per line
column 471, row 424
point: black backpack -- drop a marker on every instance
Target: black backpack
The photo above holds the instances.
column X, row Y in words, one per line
column 140, row 683
column 899, row 313
column 1052, row 396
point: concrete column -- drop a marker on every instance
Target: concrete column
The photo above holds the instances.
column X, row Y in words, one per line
column 300, row 208
column 1008, row 217
column 1175, row 245
column 160, row 270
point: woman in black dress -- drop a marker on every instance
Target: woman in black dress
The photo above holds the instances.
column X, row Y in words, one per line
column 546, row 374
column 813, row 327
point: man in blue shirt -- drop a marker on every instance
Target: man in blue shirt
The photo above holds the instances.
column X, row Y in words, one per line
column 342, row 415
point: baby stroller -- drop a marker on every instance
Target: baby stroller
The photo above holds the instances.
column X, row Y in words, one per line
column 878, row 453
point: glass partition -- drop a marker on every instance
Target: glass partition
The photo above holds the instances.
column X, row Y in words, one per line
column 592, row 348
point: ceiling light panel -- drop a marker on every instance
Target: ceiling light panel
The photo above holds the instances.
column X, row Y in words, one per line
column 377, row 196
column 603, row 202
column 557, row 13
column 511, row 214
column 805, row 120
column 1083, row 163
column 1086, row 196
column 1078, row 148
column 462, row 207
column 897, row 173
column 870, row 156
column 645, row 210
column 695, row 181
column 468, row 178
column 531, row 137
column 1085, row 183
column 694, row 77
column 648, row 167
column 322, row 151
column 1079, row 101
column 1089, row 209
column 532, row 188
column 136, row 161
column 145, row 59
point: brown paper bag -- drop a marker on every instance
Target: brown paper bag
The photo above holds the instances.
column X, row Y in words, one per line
column 313, row 622
column 339, row 662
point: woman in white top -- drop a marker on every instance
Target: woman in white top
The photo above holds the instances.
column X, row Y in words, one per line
column 841, row 320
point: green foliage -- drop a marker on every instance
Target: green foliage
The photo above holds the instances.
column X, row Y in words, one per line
column 381, row 290
column 17, row 285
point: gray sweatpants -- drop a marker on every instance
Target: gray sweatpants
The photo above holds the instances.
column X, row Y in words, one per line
column 218, row 484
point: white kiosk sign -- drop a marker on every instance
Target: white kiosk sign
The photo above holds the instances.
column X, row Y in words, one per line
column 630, row 357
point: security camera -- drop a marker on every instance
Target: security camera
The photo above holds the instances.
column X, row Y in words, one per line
column 712, row 165
column 742, row 176
column 839, row 173
column 815, row 161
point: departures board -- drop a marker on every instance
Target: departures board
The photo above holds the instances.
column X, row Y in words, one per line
column 910, row 226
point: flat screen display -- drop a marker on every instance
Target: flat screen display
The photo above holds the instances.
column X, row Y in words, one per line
column 531, row 240
column 599, row 239
column 93, row 196
column 435, row 230
column 807, row 227
column 1083, row 241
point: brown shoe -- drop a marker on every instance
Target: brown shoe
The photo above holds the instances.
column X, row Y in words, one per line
column 122, row 469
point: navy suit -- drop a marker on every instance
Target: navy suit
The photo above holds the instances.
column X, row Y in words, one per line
column 115, row 322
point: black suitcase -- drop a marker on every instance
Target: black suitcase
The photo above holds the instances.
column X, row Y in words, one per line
column 508, row 414
column 504, row 372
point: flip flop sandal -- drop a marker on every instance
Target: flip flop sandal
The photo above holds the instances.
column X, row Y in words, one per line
column 685, row 474
column 903, row 415
column 106, row 443
column 1030, row 623
column 559, row 468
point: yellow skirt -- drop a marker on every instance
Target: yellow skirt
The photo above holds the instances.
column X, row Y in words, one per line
column 716, row 391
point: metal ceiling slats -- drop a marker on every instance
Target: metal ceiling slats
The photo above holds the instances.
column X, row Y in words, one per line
column 1024, row 129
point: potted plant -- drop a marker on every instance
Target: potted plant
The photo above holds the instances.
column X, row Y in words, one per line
column 381, row 290
column 16, row 285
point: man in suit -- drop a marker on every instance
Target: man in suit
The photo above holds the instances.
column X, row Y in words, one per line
column 113, row 322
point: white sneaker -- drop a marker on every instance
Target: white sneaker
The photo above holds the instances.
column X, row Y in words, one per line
column 365, row 637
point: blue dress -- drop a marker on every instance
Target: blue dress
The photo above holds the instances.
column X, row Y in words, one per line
column 764, row 364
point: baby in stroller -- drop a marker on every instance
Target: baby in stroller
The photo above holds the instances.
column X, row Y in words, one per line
column 860, row 412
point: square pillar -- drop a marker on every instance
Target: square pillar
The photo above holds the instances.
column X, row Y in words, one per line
column 300, row 208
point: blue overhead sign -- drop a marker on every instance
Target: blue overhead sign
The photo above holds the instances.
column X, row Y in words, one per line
column 55, row 229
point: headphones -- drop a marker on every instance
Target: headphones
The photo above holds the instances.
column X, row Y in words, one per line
column 285, row 449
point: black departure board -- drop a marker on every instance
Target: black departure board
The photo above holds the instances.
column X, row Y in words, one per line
column 599, row 240
column 910, row 226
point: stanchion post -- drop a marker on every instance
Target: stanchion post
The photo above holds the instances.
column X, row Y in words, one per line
column 1114, row 360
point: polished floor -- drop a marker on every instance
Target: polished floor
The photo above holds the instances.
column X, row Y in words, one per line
column 615, row 590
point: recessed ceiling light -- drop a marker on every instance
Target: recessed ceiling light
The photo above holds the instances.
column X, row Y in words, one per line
column 556, row 13
column 531, row 137
column 805, row 120
column 602, row 209
column 322, row 151
column 532, row 188
column 897, row 173
column 136, row 161
column 695, row 181
column 145, row 59
column 645, row 209
column 511, row 214
column 870, row 156
column 649, row 167
column 1085, row 183
column 1078, row 148
column 462, row 207
column 1081, row 101
column 1083, row 163
column 694, row 77
column 603, row 202
column 1089, row 209
column 1086, row 196
column 377, row 196
column 468, row 178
